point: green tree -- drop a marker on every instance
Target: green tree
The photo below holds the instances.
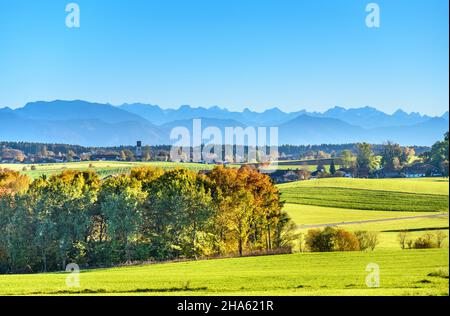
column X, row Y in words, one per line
column 121, row 199
column 347, row 158
column 439, row 155
column 63, row 205
column 177, row 211
column 364, row 157
column 332, row 167
column 392, row 156
column 18, row 233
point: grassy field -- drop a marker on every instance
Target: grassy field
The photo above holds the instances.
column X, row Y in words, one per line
column 420, row 185
column 338, row 200
column 401, row 273
column 388, row 230
column 310, row 215
column 366, row 199
column 370, row 194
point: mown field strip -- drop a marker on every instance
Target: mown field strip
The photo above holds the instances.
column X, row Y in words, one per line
column 435, row 186
column 311, row 214
column 364, row 199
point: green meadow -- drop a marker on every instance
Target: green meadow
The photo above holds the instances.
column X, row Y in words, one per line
column 436, row 186
column 370, row 194
column 387, row 206
column 312, row 215
column 409, row 272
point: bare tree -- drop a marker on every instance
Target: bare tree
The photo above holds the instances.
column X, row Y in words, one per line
column 440, row 236
column 402, row 238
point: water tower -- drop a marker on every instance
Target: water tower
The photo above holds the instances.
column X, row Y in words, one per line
column 139, row 150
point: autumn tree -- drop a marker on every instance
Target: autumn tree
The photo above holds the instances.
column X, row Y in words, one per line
column 345, row 241
column 146, row 175
column 249, row 219
column 12, row 182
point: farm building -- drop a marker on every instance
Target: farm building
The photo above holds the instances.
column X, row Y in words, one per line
column 418, row 170
column 283, row 176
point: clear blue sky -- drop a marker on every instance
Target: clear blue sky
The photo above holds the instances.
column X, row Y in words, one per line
column 294, row 54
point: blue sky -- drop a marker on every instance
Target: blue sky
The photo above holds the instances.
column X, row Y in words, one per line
column 294, row 54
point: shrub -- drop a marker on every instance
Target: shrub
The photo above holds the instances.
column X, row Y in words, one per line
column 331, row 239
column 346, row 241
column 422, row 243
column 33, row 168
column 410, row 243
column 426, row 241
column 318, row 240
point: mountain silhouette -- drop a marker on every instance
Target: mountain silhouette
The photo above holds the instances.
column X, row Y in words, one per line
column 95, row 124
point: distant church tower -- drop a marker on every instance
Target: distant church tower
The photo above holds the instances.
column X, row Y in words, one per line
column 139, row 150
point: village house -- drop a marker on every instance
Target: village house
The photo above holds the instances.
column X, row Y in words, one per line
column 282, row 176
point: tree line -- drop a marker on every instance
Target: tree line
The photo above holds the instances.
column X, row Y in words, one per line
column 149, row 214
column 393, row 157
column 162, row 152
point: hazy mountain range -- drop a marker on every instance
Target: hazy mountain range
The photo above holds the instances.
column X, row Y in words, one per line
column 93, row 124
